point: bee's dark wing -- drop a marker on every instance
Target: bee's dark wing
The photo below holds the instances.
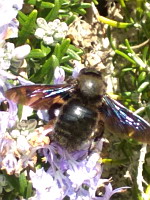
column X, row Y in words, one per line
column 119, row 120
column 39, row 96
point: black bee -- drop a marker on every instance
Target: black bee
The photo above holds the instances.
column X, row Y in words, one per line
column 86, row 110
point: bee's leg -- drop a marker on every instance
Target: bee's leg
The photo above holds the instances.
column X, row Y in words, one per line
column 97, row 134
column 99, row 130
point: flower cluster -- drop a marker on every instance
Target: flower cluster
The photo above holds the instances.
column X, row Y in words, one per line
column 51, row 32
column 74, row 175
column 9, row 54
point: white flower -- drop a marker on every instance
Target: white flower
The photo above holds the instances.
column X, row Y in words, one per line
column 9, row 53
column 22, row 144
column 51, row 32
column 39, row 33
column 41, row 22
column 15, row 133
column 48, row 40
column 21, row 52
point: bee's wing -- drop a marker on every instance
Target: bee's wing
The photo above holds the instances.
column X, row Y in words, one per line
column 39, row 96
column 119, row 120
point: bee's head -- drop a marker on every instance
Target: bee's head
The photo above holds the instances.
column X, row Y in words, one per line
column 91, row 83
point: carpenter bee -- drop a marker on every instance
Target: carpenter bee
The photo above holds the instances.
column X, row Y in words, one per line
column 86, row 110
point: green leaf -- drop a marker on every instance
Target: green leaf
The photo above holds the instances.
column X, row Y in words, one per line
column 73, row 54
column 29, row 190
column 55, row 61
column 114, row 23
column 27, row 28
column 63, row 48
column 65, row 59
column 45, row 49
column 22, row 17
column 22, row 184
column 41, row 4
column 40, row 74
column 69, row 70
column 54, row 64
column 80, row 6
column 74, row 48
column 70, row 19
column 125, row 56
column 20, row 108
column 13, row 180
column 143, row 86
column 53, row 14
column 36, row 53
column 57, row 51
column 142, row 77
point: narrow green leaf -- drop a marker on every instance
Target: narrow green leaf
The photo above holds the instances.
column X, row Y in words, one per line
column 55, row 61
column 137, row 59
column 45, row 49
column 42, row 4
column 142, row 77
column 112, row 44
column 64, row 46
column 69, row 70
column 65, row 59
column 114, row 23
column 81, row 11
column 143, row 86
column 20, row 108
column 74, row 48
column 145, row 53
column 53, row 14
column 22, row 183
column 70, row 19
column 36, row 53
column 125, row 56
column 54, row 64
column 40, row 74
column 80, row 5
column 13, row 180
column 22, row 17
column 29, row 190
column 57, row 51
column 127, row 69
column 128, row 46
column 73, row 54
column 27, row 28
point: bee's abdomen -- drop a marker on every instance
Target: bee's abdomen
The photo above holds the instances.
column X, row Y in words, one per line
column 75, row 123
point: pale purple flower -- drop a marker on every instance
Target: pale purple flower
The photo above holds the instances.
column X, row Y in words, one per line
column 77, row 69
column 76, row 175
column 4, row 75
column 45, row 186
column 23, row 81
column 8, row 12
column 109, row 192
column 9, row 30
column 9, row 163
column 59, row 75
column 7, row 118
